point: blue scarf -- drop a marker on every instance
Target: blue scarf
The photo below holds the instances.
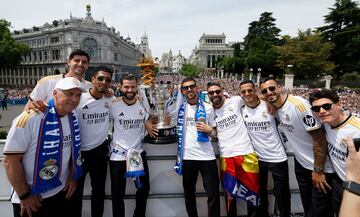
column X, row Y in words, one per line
column 202, row 137
column 48, row 159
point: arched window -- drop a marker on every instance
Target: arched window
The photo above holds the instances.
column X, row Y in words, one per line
column 90, row 46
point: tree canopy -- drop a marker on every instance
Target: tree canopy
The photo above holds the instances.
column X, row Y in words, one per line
column 189, row 70
column 343, row 29
column 308, row 54
column 10, row 51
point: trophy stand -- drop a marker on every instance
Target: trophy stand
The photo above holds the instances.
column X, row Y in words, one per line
column 156, row 99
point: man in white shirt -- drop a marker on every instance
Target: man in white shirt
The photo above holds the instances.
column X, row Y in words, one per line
column 197, row 154
column 39, row 169
column 313, row 168
column 239, row 163
column 94, row 114
column 269, row 148
column 129, row 117
column 338, row 126
column 77, row 63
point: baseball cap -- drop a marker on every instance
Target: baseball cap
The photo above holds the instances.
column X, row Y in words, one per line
column 69, row 83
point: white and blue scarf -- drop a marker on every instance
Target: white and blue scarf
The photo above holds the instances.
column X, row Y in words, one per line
column 48, row 159
column 181, row 126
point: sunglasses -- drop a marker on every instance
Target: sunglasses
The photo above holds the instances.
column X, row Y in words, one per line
column 214, row 91
column 271, row 89
column 326, row 106
column 102, row 78
column 187, row 87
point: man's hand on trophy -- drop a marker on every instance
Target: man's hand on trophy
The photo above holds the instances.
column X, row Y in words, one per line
column 151, row 126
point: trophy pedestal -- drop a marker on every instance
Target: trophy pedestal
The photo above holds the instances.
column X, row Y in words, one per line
column 165, row 136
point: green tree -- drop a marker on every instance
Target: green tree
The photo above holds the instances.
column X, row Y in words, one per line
column 308, row 53
column 343, row 30
column 259, row 51
column 189, row 70
column 10, row 51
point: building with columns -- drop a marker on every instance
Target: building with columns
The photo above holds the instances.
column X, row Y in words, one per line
column 211, row 47
column 52, row 43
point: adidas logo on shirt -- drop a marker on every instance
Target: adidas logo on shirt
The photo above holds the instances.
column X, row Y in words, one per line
column 85, row 107
column 246, row 116
column 121, row 114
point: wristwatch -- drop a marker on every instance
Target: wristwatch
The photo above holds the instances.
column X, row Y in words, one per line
column 318, row 169
column 352, row 186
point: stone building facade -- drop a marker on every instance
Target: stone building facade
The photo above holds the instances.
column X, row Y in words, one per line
column 52, row 43
column 211, row 47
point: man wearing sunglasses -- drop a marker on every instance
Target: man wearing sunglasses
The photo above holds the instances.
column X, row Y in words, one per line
column 313, row 168
column 239, row 163
column 93, row 113
column 195, row 155
column 268, row 146
column 338, row 126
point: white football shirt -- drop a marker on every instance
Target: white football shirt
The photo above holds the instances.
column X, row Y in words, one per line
column 232, row 134
column 94, row 118
column 22, row 139
column 264, row 134
column 337, row 149
column 297, row 120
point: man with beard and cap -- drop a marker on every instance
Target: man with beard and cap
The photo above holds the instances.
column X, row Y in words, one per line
column 338, row 126
column 269, row 148
column 313, row 169
column 239, row 163
column 127, row 158
column 94, row 113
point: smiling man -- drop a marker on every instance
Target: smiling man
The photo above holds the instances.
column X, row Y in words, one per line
column 268, row 146
column 94, row 115
column 239, row 163
column 338, row 126
column 313, row 168
column 42, row 154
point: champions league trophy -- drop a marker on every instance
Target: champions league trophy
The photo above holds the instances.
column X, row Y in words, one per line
column 156, row 99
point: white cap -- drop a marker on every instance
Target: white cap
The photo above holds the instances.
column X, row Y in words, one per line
column 69, row 83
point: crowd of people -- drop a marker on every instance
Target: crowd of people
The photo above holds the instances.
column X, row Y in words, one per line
column 62, row 135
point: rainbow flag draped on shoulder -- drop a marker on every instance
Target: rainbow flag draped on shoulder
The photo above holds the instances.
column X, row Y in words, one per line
column 240, row 177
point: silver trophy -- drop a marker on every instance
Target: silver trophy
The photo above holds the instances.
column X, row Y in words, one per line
column 157, row 99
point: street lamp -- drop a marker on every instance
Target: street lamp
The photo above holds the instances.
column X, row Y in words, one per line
column 251, row 72
column 258, row 76
column 289, row 68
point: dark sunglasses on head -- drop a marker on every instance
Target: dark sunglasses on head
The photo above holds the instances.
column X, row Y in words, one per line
column 265, row 90
column 102, row 78
column 187, row 87
column 326, row 106
column 214, row 91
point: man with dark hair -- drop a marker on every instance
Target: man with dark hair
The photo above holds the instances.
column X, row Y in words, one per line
column 195, row 152
column 269, row 148
column 127, row 157
column 338, row 126
column 313, row 168
column 42, row 155
column 77, row 64
column 94, row 114
column 239, row 163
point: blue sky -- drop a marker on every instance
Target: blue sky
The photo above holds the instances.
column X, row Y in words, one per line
column 172, row 24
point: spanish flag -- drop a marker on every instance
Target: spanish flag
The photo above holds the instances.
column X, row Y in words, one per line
column 240, row 177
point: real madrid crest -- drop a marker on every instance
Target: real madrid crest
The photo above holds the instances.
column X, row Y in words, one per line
column 135, row 160
column 107, row 105
column 264, row 114
column 49, row 170
column 141, row 112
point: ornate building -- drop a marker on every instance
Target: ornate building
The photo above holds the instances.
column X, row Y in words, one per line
column 52, row 43
column 172, row 63
column 210, row 48
column 144, row 46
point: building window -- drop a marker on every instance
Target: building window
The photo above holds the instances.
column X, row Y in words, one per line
column 90, row 46
column 56, row 54
column 115, row 57
column 45, row 56
column 54, row 40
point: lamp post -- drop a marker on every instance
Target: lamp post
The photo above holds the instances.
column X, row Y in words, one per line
column 251, row 71
column 258, row 76
column 289, row 78
column 289, row 68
